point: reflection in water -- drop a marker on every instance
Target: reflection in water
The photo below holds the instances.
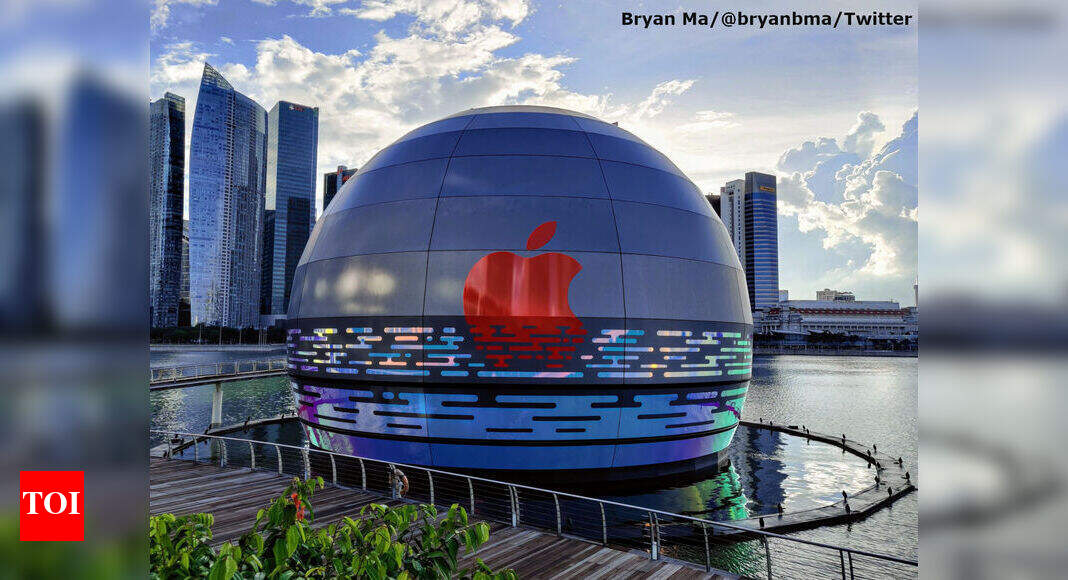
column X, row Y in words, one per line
column 870, row 399
column 766, row 468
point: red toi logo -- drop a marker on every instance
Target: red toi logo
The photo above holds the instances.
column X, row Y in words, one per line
column 50, row 506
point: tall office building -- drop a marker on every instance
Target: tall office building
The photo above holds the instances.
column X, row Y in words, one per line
column 732, row 212
column 333, row 181
column 292, row 142
column 748, row 210
column 761, row 240
column 166, row 191
column 23, row 159
column 713, row 200
column 183, row 300
column 227, row 179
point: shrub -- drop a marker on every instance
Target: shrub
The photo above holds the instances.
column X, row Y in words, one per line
column 407, row 541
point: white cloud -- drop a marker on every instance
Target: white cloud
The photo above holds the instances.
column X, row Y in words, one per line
column 446, row 17
column 861, row 138
column 179, row 65
column 654, row 104
column 161, row 11
column 864, row 208
column 318, row 7
column 709, row 121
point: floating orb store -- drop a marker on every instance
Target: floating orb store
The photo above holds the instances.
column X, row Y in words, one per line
column 521, row 288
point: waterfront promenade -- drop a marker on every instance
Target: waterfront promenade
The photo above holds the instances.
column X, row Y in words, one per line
column 233, row 495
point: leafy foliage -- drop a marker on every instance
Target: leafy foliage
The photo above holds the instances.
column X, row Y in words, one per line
column 403, row 542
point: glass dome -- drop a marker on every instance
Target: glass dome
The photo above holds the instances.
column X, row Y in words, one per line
column 521, row 279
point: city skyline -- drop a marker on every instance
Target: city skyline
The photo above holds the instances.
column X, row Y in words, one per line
column 820, row 127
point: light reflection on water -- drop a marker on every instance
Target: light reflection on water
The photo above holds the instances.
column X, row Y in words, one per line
column 870, row 399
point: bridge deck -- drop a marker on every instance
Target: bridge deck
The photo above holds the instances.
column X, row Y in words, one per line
column 234, row 495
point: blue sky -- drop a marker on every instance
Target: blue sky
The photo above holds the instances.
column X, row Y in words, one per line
column 718, row 102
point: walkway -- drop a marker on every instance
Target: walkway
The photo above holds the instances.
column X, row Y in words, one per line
column 233, row 495
column 892, row 486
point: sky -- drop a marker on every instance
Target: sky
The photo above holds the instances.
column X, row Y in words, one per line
column 832, row 113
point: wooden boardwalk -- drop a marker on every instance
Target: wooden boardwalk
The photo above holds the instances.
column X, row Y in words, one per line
column 233, row 495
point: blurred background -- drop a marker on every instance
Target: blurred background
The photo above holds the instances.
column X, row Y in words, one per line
column 993, row 281
column 73, row 275
column 994, row 289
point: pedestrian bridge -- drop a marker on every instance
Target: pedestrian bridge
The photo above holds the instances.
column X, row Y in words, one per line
column 178, row 377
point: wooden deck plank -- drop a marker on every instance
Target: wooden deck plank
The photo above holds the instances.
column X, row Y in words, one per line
column 234, row 495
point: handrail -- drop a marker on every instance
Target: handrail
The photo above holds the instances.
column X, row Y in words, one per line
column 763, row 535
column 178, row 372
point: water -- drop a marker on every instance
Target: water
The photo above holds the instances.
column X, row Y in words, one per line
column 870, row 399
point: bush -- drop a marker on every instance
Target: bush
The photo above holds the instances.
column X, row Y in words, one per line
column 403, row 542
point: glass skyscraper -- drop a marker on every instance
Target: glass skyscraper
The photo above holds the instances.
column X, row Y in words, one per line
column 761, row 259
column 227, row 179
column 166, row 192
column 333, row 181
column 292, row 143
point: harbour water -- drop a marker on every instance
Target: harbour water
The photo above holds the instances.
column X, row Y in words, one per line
column 870, row 399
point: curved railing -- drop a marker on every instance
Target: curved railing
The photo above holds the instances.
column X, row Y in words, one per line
column 217, row 369
column 716, row 545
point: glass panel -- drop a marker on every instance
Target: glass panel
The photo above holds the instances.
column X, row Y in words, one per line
column 629, row 151
column 442, row 126
column 400, row 226
column 418, row 149
column 596, row 126
column 542, row 120
column 408, row 181
column 636, row 183
column 370, row 285
column 671, row 288
column 524, row 175
column 505, row 223
column 524, row 141
column 663, row 231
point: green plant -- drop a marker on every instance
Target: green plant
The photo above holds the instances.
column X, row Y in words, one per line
column 178, row 546
column 407, row 541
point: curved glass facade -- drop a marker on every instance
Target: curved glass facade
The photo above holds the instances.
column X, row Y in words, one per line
column 227, row 174
column 520, row 288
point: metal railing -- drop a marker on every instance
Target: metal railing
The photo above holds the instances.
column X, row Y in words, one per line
column 714, row 545
column 217, row 369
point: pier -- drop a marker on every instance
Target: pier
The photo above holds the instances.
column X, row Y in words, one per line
column 895, row 481
column 576, row 536
column 233, row 495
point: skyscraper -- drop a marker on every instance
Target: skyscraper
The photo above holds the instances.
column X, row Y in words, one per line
column 732, row 212
column 713, row 200
column 292, row 141
column 23, row 158
column 183, row 301
column 333, row 181
column 166, row 190
column 748, row 210
column 761, row 240
column 227, row 178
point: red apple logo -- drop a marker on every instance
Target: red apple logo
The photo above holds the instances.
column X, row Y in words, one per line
column 523, row 303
